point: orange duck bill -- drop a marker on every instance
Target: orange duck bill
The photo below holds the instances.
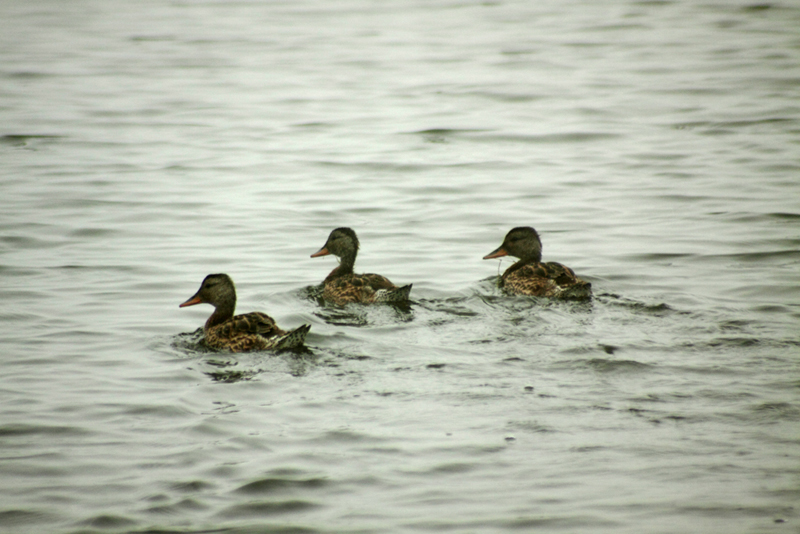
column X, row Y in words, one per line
column 321, row 252
column 192, row 301
column 496, row 254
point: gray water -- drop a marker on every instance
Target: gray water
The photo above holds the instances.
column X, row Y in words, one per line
column 655, row 146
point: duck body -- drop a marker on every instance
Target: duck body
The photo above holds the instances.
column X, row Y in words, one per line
column 249, row 331
column 530, row 276
column 549, row 279
column 240, row 333
column 364, row 288
column 343, row 286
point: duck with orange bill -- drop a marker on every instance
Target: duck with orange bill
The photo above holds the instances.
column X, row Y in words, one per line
column 240, row 333
column 529, row 276
column 343, row 286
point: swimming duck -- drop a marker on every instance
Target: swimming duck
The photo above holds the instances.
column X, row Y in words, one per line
column 529, row 276
column 342, row 286
column 239, row 333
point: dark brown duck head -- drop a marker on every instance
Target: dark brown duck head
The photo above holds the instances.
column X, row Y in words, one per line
column 343, row 244
column 521, row 242
column 219, row 291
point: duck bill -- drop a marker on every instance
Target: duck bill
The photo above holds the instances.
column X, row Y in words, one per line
column 500, row 252
column 321, row 252
column 191, row 302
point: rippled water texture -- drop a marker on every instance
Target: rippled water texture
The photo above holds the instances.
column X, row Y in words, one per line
column 654, row 145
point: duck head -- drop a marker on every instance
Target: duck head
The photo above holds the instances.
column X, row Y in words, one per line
column 217, row 290
column 342, row 243
column 521, row 242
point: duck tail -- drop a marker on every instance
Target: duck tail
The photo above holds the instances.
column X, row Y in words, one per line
column 579, row 291
column 291, row 340
column 399, row 294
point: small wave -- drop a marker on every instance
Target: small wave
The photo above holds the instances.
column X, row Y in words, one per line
column 742, row 342
column 552, row 523
column 455, row 306
column 453, row 467
column 24, row 429
column 534, row 427
column 656, row 256
column 107, row 521
column 339, row 317
column 759, row 257
column 777, row 411
column 750, row 217
column 151, row 38
column 190, row 342
column 359, row 314
column 608, row 349
column 23, row 518
column 23, row 140
column 448, row 131
column 27, row 242
column 712, row 125
column 280, row 484
column 230, row 376
column 259, row 509
column 177, row 508
column 193, row 486
column 603, row 365
column 568, row 137
column 756, row 8
column 347, row 436
column 507, row 97
column 659, row 310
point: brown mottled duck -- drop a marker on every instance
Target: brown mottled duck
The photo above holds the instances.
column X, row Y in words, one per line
column 529, row 276
column 343, row 286
column 239, row 333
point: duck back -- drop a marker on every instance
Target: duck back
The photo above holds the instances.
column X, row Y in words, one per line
column 549, row 279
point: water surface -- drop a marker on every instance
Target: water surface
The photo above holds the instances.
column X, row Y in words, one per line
column 654, row 145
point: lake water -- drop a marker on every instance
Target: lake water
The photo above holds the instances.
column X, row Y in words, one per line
column 655, row 145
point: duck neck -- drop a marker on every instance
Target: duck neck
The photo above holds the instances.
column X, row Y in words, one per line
column 222, row 312
column 346, row 263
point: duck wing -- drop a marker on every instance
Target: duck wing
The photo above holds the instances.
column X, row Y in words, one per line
column 375, row 281
column 395, row 295
column 290, row 340
column 549, row 279
column 560, row 274
column 254, row 323
column 356, row 288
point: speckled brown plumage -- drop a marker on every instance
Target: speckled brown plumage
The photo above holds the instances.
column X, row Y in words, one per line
column 239, row 333
column 343, row 286
column 529, row 276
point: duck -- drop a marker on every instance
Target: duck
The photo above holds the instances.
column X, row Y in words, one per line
column 529, row 276
column 239, row 333
column 342, row 286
